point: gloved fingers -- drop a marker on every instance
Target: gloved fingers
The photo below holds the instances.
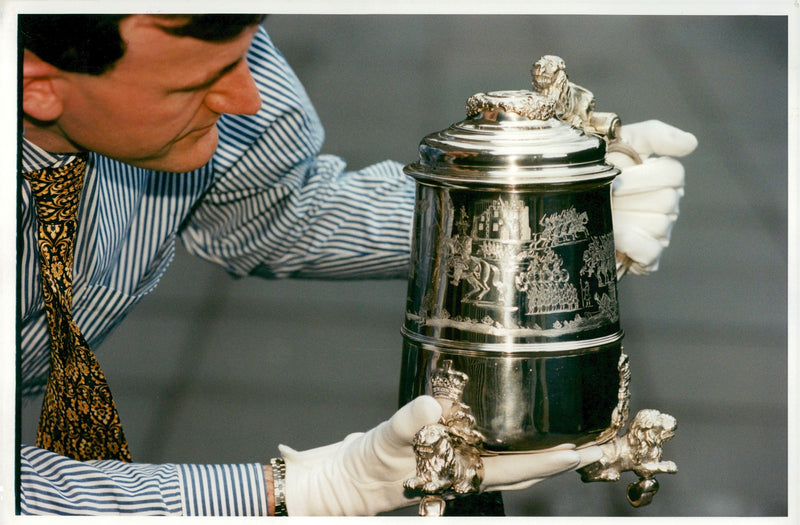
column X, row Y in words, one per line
column 517, row 486
column 654, row 173
column 656, row 137
column 656, row 225
column 406, row 422
column 635, row 268
column 522, row 470
column 620, row 160
column 562, row 446
column 662, row 201
column 589, row 455
column 643, row 249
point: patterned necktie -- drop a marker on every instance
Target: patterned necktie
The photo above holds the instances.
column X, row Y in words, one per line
column 78, row 419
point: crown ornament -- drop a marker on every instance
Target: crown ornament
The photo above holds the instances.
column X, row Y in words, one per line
column 448, row 383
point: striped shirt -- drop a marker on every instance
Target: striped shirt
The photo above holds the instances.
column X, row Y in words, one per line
column 267, row 204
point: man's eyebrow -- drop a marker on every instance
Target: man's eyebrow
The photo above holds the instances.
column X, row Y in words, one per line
column 213, row 79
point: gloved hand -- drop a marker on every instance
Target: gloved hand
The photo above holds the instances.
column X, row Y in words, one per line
column 645, row 196
column 364, row 473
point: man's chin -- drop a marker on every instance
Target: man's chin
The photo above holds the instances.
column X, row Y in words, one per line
column 179, row 166
column 187, row 155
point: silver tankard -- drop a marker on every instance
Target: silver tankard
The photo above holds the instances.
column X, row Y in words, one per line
column 512, row 293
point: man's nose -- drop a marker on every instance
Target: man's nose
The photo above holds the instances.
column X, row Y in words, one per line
column 235, row 93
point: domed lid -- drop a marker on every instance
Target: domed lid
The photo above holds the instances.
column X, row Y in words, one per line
column 546, row 135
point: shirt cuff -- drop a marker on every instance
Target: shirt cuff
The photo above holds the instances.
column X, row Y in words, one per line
column 223, row 490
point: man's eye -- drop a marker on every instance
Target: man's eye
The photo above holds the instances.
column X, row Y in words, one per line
column 190, row 89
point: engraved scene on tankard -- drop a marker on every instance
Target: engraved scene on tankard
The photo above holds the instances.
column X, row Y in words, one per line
column 520, row 267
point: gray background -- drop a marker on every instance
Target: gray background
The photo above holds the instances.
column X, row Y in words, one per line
column 211, row 369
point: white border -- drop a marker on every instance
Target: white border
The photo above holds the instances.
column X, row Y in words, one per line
column 794, row 263
column 10, row 8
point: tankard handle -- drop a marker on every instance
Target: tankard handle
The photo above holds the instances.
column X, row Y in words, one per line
column 615, row 144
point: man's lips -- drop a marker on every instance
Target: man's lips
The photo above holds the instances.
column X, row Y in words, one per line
column 202, row 130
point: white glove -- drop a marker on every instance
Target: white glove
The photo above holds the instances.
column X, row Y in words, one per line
column 364, row 473
column 645, row 196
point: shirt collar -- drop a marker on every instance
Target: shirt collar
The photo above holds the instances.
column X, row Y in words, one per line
column 35, row 158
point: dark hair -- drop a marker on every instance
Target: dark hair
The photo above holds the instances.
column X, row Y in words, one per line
column 80, row 43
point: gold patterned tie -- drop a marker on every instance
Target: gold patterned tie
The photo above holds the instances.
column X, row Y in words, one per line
column 78, row 419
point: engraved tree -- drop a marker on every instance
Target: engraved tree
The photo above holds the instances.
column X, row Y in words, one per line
column 608, row 307
column 599, row 259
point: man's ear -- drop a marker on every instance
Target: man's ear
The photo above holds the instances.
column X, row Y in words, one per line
column 40, row 98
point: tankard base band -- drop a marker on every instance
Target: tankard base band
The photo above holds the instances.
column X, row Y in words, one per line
column 524, row 402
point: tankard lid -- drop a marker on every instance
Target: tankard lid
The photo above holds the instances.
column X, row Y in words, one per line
column 548, row 134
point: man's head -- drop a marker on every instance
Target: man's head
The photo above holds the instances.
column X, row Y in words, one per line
column 143, row 89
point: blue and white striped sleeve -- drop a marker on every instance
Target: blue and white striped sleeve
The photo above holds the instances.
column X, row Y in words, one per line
column 54, row 485
column 279, row 208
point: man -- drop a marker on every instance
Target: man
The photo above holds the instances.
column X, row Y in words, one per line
column 195, row 127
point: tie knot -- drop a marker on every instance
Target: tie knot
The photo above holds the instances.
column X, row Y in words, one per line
column 57, row 191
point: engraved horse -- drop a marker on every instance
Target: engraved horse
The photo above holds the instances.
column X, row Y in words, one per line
column 480, row 275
